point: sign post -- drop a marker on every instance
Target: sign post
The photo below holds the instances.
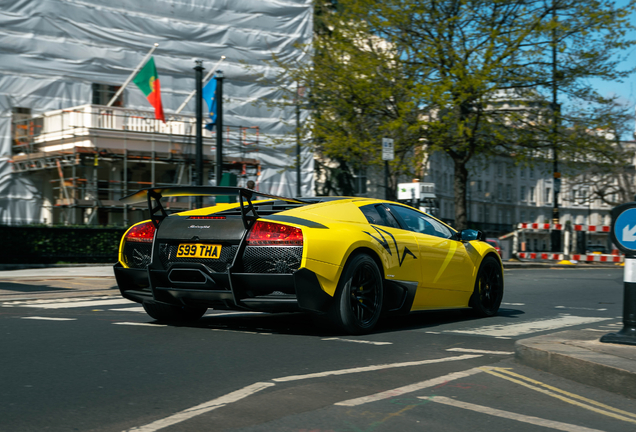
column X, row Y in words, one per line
column 623, row 235
column 388, row 154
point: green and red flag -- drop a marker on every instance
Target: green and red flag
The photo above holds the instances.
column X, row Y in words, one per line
column 148, row 82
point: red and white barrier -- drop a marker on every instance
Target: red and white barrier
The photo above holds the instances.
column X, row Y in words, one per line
column 558, row 227
column 574, row 257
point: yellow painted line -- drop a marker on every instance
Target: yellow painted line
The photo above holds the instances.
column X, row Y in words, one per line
column 502, row 373
column 449, row 256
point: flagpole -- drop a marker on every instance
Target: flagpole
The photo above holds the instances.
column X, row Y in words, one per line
column 132, row 75
column 207, row 77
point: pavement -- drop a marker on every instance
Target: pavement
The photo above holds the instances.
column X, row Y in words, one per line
column 577, row 355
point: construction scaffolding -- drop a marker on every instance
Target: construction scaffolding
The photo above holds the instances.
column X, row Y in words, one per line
column 86, row 158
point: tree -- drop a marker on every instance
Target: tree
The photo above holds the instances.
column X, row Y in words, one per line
column 433, row 75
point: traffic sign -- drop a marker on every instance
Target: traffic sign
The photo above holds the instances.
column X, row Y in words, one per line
column 387, row 149
column 624, row 227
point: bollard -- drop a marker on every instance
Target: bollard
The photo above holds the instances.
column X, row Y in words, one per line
column 627, row 335
column 623, row 235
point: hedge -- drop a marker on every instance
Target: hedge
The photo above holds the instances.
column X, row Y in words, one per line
column 50, row 245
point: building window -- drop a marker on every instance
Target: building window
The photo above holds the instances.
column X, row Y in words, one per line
column 531, row 173
column 499, row 191
column 500, row 169
column 508, row 192
column 103, row 93
column 532, row 194
column 522, row 172
column 522, row 193
column 480, row 212
column 360, row 182
column 548, row 195
column 522, row 216
column 478, row 185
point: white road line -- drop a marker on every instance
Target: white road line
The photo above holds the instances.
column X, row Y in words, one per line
column 579, row 308
column 514, row 304
column 509, row 415
column 409, row 388
column 358, row 341
column 203, row 408
column 373, row 368
column 476, row 351
column 130, row 309
column 77, row 304
column 140, row 324
column 48, row 301
column 49, row 318
column 509, row 330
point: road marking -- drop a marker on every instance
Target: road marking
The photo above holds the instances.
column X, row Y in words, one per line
column 409, row 388
column 203, row 408
column 510, row 330
column 49, row 318
column 373, row 368
column 476, row 351
column 49, row 301
column 77, row 304
column 579, row 308
column 140, row 324
column 509, row 415
column 255, row 332
column 130, row 309
column 552, row 391
column 514, row 304
column 358, row 341
column 256, row 387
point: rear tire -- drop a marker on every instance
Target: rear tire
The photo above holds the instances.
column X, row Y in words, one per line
column 358, row 300
column 175, row 314
column 489, row 288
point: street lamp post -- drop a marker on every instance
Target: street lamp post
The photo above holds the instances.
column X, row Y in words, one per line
column 199, row 126
column 555, row 234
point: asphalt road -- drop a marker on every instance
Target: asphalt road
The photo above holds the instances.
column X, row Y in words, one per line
column 97, row 362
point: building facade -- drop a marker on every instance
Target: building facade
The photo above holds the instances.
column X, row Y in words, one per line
column 63, row 61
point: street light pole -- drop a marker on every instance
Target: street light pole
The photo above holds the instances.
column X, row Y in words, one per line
column 555, row 234
column 199, row 126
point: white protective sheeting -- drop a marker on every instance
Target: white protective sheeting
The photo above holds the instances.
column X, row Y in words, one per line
column 53, row 50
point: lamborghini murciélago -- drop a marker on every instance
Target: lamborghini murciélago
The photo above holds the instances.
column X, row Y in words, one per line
column 352, row 260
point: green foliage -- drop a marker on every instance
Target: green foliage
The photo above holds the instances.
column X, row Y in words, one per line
column 464, row 77
column 48, row 245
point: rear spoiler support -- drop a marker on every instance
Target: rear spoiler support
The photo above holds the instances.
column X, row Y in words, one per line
column 158, row 213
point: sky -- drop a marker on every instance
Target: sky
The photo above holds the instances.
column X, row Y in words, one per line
column 625, row 90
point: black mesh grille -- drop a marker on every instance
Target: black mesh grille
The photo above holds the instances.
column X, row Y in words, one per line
column 168, row 255
column 272, row 259
column 137, row 255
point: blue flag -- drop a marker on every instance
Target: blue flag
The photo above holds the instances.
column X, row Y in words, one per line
column 209, row 91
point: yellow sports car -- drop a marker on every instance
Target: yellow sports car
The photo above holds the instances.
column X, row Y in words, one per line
column 350, row 259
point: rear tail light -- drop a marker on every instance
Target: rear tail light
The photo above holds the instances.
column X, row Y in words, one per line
column 142, row 233
column 268, row 234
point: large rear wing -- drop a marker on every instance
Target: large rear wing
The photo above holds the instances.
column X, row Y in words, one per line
column 158, row 213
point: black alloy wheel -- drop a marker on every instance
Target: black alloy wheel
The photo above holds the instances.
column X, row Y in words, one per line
column 358, row 301
column 489, row 288
column 173, row 314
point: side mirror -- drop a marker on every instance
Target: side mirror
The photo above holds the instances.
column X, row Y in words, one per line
column 470, row 234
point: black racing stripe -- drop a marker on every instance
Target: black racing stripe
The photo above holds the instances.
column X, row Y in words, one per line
column 295, row 220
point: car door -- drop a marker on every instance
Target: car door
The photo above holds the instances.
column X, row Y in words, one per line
column 400, row 251
column 446, row 264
